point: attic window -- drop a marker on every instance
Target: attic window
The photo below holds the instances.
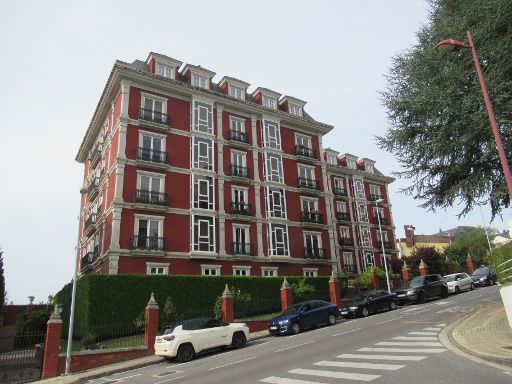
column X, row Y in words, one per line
column 369, row 168
column 269, row 102
column 351, row 164
column 331, row 159
column 236, row 92
column 199, row 81
column 164, row 70
column 295, row 110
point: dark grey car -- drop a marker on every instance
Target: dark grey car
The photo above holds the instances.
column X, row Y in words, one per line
column 422, row 288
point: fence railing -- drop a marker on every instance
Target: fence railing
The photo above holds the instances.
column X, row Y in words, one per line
column 504, row 271
column 256, row 309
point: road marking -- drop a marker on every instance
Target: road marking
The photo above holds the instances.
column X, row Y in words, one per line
column 411, row 343
column 415, row 338
column 343, row 333
column 234, row 362
column 441, row 325
column 294, row 346
column 126, row 377
column 423, row 311
column 423, row 333
column 174, row 378
column 284, row 380
column 443, row 302
column 260, row 344
column 432, row 329
column 380, row 357
column 420, row 350
column 136, row 369
column 387, row 321
column 335, row 375
column 350, row 364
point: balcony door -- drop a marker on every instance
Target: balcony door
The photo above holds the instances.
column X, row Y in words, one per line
column 240, row 196
column 155, row 106
column 148, row 234
column 151, row 148
column 241, row 240
column 308, row 205
column 313, row 244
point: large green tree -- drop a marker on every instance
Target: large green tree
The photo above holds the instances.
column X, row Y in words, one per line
column 440, row 131
column 474, row 240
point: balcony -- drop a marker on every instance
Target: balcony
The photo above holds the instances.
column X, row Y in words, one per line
column 150, row 197
column 346, row 242
column 342, row 192
column 92, row 189
column 87, row 260
column 239, row 137
column 387, row 245
column 152, row 155
column 375, row 197
column 149, row 243
column 350, row 268
column 311, row 217
column 96, row 154
column 90, row 224
column 153, row 116
column 314, row 253
column 308, row 184
column 239, row 171
column 383, row 220
column 343, row 216
column 241, row 208
column 301, row 150
column 242, row 249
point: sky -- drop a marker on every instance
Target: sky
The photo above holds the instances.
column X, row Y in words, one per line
column 57, row 56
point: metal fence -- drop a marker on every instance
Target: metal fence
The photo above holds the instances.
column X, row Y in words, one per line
column 504, row 271
column 256, row 309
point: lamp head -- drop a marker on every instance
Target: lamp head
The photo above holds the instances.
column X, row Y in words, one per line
column 378, row 201
column 451, row 45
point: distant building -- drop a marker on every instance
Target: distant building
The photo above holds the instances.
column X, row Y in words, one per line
column 412, row 241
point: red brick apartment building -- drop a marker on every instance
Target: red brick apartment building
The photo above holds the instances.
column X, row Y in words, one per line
column 187, row 176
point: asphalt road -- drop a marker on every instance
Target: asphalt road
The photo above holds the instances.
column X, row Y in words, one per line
column 391, row 347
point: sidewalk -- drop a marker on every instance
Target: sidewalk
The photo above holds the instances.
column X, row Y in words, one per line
column 485, row 333
column 82, row 377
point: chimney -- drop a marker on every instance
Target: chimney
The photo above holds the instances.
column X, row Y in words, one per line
column 409, row 235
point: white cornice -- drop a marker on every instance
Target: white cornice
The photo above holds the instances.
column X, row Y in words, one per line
column 266, row 92
column 235, row 82
column 166, row 60
column 292, row 100
column 197, row 70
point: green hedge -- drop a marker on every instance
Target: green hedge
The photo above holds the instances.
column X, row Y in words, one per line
column 119, row 299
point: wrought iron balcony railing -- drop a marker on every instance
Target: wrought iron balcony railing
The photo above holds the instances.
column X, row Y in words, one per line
column 387, row 244
column 150, row 197
column 340, row 191
column 239, row 171
column 383, row 220
column 154, row 116
column 308, row 183
column 152, row 155
column 92, row 188
column 343, row 216
column 151, row 243
column 241, row 208
column 90, row 223
column 301, row 150
column 314, row 253
column 241, row 137
column 96, row 154
column 242, row 249
column 311, row 217
column 375, row 197
column 350, row 268
column 346, row 242
column 86, row 261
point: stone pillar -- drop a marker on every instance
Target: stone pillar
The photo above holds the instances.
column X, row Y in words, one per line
column 119, row 185
column 151, row 331
column 116, row 229
column 423, row 268
column 125, row 97
column 335, row 290
column 228, row 310
column 449, row 267
column 406, row 272
column 374, row 281
column 286, row 295
column 121, row 147
column 52, row 345
column 471, row 265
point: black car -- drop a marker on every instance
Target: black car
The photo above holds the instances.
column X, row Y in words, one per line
column 369, row 302
column 303, row 315
column 422, row 288
column 483, row 276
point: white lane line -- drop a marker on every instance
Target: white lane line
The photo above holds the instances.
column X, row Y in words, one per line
column 136, row 369
column 334, row 375
column 351, row 364
column 174, row 378
column 411, row 343
column 441, row 325
column 380, row 357
column 443, row 302
column 260, row 344
column 425, row 310
column 423, row 333
column 295, row 346
column 408, row 350
column 284, row 380
column 387, row 321
column 416, row 338
column 127, row 377
column 432, row 329
column 343, row 333
column 234, row 362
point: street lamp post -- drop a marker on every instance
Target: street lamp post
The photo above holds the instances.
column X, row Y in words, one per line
column 451, row 45
column 382, row 243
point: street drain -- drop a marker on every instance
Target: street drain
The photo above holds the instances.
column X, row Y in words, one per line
column 165, row 373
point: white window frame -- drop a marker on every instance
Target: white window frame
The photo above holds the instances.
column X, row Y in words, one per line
column 202, row 162
column 235, row 153
column 164, row 266
column 341, row 206
column 369, row 168
column 235, row 189
column 351, row 164
column 271, row 205
column 205, row 267
column 197, row 180
column 164, row 70
column 211, row 232
column 237, row 124
column 159, row 219
column 348, row 256
column 310, row 272
column 285, row 245
column 239, row 270
column 345, row 232
column 309, row 200
column 153, row 98
column 153, row 136
column 382, row 234
column 339, row 184
column 359, row 189
column 362, row 212
column 151, row 174
column 236, row 92
column 305, row 172
column 318, row 236
column 371, row 256
column 271, row 140
column 303, row 140
column 294, row 109
column 375, row 190
column 271, row 271
column 198, row 124
column 365, row 236
column 274, row 167
column 269, row 102
column 332, row 159
column 245, row 228
column 200, row 81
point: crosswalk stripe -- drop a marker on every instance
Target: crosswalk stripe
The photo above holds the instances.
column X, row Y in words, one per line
column 351, row 364
column 380, row 357
column 432, row 329
column 415, row 338
column 285, row 380
column 423, row 333
column 441, row 325
column 411, row 343
column 335, row 375
column 409, row 350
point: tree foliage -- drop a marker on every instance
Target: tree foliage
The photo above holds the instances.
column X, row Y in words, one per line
column 474, row 240
column 440, row 131
column 457, row 254
column 430, row 256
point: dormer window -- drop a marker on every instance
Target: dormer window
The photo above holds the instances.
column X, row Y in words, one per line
column 236, row 92
column 199, row 81
column 164, row 71
column 269, row 102
column 331, row 159
column 295, row 110
column 369, row 168
column 351, row 164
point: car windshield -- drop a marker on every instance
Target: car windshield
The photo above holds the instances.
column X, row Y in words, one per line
column 417, row 282
column 360, row 296
column 293, row 309
column 481, row 271
column 450, row 278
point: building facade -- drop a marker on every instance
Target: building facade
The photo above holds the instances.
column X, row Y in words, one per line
column 187, row 176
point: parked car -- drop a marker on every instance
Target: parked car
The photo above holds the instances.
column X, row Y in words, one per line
column 184, row 340
column 303, row 315
column 458, row 282
column 483, row 276
column 422, row 288
column 369, row 302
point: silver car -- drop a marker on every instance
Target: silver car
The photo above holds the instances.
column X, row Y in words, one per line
column 458, row 282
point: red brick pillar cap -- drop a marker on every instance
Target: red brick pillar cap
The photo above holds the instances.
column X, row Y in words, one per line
column 152, row 304
column 285, row 285
column 405, row 267
column 422, row 264
column 469, row 257
column 55, row 317
column 333, row 278
column 227, row 293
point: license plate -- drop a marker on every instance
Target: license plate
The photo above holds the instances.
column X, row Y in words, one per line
column 159, row 341
column 401, row 295
column 344, row 312
column 273, row 328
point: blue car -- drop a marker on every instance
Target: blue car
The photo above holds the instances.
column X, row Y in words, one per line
column 303, row 315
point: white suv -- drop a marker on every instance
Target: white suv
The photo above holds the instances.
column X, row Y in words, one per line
column 184, row 340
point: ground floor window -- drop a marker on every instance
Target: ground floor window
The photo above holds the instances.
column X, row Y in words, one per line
column 242, row 271
column 210, row 270
column 157, row 269
column 310, row 272
column 269, row 272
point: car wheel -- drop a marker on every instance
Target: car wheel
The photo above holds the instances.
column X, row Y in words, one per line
column 472, row 287
column 295, row 328
column 331, row 320
column 392, row 305
column 421, row 298
column 365, row 312
column 457, row 289
column 185, row 353
column 444, row 293
column 167, row 358
column 239, row 340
